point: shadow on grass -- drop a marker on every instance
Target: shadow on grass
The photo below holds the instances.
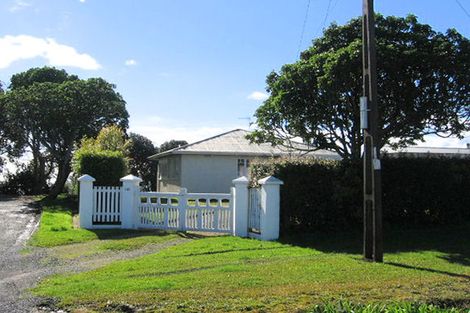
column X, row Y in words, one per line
column 427, row 270
column 109, row 234
column 226, row 251
column 453, row 242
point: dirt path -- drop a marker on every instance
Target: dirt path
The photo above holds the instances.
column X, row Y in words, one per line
column 20, row 271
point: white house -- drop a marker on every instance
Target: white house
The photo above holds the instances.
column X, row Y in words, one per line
column 211, row 164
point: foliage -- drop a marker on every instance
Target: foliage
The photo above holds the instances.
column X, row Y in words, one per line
column 422, row 84
column 172, row 144
column 140, row 149
column 44, row 74
column 112, row 138
column 232, row 274
column 48, row 112
column 103, row 157
column 319, row 194
column 20, row 183
column 349, row 307
column 106, row 166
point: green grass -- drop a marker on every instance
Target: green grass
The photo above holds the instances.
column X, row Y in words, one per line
column 56, row 229
column 234, row 274
column 56, row 225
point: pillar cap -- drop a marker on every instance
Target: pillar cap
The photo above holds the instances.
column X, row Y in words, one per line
column 270, row 180
column 131, row 177
column 86, row 178
column 240, row 181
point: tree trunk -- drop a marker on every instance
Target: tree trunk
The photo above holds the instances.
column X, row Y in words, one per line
column 39, row 172
column 62, row 175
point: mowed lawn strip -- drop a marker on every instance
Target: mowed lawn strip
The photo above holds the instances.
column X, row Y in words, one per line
column 233, row 274
column 56, row 229
column 56, row 225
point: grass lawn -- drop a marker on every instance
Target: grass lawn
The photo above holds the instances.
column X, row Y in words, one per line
column 56, row 228
column 234, row 274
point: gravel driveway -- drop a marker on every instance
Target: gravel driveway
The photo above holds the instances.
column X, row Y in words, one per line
column 18, row 220
column 19, row 271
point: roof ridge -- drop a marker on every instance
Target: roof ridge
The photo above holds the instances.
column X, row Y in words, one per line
column 197, row 142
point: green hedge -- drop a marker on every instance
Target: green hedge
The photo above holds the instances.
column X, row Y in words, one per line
column 319, row 194
column 107, row 167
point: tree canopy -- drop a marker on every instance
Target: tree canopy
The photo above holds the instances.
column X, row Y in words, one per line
column 48, row 112
column 140, row 149
column 423, row 88
column 168, row 145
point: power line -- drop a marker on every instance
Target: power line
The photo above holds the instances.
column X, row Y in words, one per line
column 303, row 28
column 326, row 16
column 463, row 8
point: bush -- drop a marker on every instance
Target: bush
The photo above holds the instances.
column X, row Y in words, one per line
column 107, row 167
column 21, row 183
column 320, row 194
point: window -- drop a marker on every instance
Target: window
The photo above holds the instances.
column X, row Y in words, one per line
column 168, row 168
column 243, row 165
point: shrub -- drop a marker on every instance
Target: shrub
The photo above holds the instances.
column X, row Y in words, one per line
column 319, row 194
column 107, row 167
column 23, row 182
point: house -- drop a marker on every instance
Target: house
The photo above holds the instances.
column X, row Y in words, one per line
column 211, row 164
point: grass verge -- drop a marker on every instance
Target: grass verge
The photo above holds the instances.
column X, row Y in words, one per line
column 233, row 274
column 56, row 229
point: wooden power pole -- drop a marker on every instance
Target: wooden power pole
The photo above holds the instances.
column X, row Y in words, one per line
column 373, row 246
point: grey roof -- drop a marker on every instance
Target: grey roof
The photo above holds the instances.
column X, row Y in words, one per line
column 234, row 142
column 431, row 150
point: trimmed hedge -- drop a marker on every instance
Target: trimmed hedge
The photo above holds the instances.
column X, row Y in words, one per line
column 107, row 167
column 320, row 194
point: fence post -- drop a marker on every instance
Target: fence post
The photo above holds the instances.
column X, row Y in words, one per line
column 130, row 201
column 85, row 202
column 182, row 207
column 240, row 206
column 270, row 207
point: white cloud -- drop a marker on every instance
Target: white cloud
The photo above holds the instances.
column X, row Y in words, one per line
column 19, row 5
column 15, row 48
column 258, row 96
column 130, row 62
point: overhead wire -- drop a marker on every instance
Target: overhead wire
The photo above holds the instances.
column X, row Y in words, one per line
column 326, row 16
column 463, row 8
column 303, row 28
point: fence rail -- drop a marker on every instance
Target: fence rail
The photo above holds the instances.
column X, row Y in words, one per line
column 196, row 211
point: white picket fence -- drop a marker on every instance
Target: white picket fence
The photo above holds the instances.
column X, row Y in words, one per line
column 182, row 211
column 243, row 212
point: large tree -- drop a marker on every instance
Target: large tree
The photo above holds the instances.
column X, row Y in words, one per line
column 140, row 149
column 172, row 144
column 423, row 83
column 50, row 111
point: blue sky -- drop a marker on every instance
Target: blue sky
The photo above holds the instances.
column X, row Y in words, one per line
column 188, row 69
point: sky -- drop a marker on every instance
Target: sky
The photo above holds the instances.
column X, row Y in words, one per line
column 188, row 69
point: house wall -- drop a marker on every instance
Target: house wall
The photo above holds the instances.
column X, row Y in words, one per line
column 209, row 173
column 169, row 174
